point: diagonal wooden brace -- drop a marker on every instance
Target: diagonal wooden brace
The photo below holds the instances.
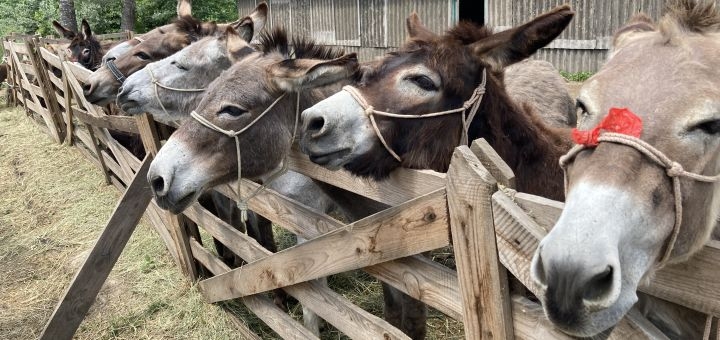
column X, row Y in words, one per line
column 411, row 228
column 86, row 284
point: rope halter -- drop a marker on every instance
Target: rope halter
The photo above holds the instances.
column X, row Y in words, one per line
column 468, row 110
column 623, row 127
column 242, row 203
column 157, row 84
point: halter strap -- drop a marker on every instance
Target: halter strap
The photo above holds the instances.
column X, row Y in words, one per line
column 157, row 84
column 674, row 170
column 470, row 107
column 242, row 203
column 114, row 70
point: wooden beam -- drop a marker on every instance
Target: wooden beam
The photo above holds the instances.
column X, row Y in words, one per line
column 47, row 90
column 117, row 123
column 86, row 284
column 348, row 318
column 414, row 227
column 493, row 163
column 262, row 306
column 401, row 186
column 483, row 280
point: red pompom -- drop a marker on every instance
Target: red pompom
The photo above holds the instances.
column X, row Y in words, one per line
column 618, row 121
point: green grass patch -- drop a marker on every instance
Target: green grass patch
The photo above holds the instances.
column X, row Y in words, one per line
column 576, row 76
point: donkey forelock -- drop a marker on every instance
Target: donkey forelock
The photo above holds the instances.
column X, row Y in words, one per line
column 194, row 28
column 278, row 40
column 699, row 16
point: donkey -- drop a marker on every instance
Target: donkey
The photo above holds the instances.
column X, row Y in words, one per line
column 432, row 73
column 624, row 217
column 84, row 48
column 103, row 84
column 248, row 87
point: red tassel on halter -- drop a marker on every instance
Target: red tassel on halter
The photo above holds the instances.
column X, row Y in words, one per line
column 618, row 121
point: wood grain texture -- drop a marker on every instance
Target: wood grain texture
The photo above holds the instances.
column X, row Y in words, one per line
column 402, row 185
column 483, row 280
column 117, row 123
column 86, row 284
column 262, row 306
column 411, row 228
column 332, row 307
column 493, row 163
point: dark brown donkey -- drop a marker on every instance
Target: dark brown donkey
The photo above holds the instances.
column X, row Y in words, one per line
column 84, row 48
column 432, row 73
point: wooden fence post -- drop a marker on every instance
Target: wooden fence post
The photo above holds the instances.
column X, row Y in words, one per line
column 86, row 284
column 177, row 224
column 482, row 279
column 51, row 104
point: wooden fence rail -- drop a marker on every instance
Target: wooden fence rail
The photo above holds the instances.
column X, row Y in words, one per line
column 492, row 231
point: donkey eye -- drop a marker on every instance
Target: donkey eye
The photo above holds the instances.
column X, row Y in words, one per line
column 86, row 51
column 181, row 67
column 423, row 82
column 232, row 110
column 142, row 55
column 711, row 127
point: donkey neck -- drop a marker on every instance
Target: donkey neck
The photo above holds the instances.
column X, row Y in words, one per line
column 529, row 146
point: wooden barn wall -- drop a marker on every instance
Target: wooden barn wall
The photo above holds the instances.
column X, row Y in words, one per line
column 584, row 44
column 368, row 27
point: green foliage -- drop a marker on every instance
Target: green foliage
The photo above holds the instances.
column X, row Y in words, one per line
column 576, row 76
column 36, row 16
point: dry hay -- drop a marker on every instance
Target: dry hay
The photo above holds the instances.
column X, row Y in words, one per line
column 52, row 208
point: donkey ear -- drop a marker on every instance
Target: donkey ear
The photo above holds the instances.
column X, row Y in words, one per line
column 237, row 47
column 248, row 27
column 639, row 23
column 416, row 29
column 184, row 8
column 516, row 44
column 300, row 74
column 68, row 34
column 86, row 29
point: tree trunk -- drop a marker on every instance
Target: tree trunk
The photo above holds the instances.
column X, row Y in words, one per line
column 128, row 16
column 67, row 15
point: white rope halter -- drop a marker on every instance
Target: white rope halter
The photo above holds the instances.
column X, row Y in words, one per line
column 472, row 104
column 242, row 203
column 157, row 84
column 674, row 170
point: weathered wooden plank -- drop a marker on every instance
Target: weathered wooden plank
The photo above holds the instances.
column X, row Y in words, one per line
column 483, row 280
column 408, row 229
column 266, row 310
column 401, row 186
column 50, row 57
column 86, row 284
column 493, row 163
column 113, row 36
column 332, row 307
column 416, row 276
column 117, row 123
column 81, row 74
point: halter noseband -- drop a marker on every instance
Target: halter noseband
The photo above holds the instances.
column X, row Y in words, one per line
column 472, row 104
column 114, row 70
column 157, row 84
column 674, row 170
column 242, row 203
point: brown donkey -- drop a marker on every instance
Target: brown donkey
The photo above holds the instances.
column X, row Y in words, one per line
column 627, row 215
column 432, row 73
column 103, row 84
column 84, row 48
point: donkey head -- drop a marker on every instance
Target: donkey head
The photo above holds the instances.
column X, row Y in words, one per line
column 430, row 73
column 619, row 214
column 84, row 48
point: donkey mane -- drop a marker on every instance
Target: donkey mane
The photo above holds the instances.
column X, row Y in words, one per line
column 698, row 16
column 194, row 28
column 277, row 40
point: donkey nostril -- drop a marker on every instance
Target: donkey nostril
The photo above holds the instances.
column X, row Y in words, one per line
column 599, row 285
column 158, row 186
column 316, row 124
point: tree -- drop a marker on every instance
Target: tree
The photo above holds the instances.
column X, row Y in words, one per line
column 67, row 15
column 128, row 16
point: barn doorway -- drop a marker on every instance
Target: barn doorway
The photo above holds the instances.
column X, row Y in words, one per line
column 472, row 10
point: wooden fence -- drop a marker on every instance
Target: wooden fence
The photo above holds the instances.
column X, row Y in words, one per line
column 494, row 230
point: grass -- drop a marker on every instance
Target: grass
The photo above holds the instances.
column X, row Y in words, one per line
column 53, row 207
column 576, row 76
